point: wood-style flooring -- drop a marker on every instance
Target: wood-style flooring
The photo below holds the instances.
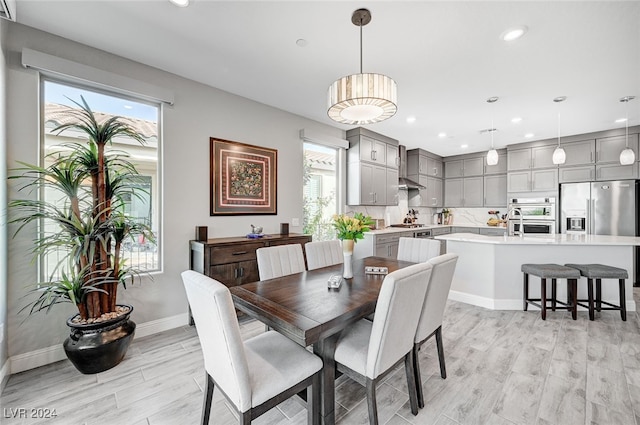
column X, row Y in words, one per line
column 503, row 368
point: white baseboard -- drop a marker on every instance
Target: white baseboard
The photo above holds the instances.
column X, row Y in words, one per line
column 509, row 304
column 44, row 356
column 4, row 375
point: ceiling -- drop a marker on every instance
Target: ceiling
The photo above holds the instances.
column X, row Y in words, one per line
column 446, row 57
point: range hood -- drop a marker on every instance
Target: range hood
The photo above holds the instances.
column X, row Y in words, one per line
column 403, row 181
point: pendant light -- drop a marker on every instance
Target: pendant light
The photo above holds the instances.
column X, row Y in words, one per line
column 492, row 155
column 627, row 156
column 360, row 99
column 559, row 156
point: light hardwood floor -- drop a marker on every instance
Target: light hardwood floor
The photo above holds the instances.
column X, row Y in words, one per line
column 503, row 368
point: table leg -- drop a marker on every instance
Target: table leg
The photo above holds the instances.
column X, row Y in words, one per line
column 326, row 349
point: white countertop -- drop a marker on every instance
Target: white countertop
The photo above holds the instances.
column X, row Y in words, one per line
column 557, row 239
column 428, row 226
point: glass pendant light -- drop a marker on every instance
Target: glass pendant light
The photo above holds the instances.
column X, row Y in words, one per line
column 492, row 155
column 627, row 156
column 559, row 156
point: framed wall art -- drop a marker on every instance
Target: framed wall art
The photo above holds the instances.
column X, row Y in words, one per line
column 242, row 178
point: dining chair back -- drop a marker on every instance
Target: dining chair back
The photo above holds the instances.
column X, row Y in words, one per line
column 367, row 351
column 280, row 260
column 253, row 374
column 323, row 253
column 418, row 250
column 430, row 322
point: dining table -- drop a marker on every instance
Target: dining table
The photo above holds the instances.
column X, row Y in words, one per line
column 304, row 308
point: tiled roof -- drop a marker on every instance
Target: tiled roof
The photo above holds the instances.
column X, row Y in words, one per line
column 59, row 114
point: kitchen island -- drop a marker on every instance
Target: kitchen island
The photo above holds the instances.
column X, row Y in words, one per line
column 488, row 271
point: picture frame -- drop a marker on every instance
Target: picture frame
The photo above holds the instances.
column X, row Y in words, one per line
column 243, row 178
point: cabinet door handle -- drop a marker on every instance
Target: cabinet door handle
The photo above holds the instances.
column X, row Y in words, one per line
column 241, row 271
column 239, row 253
column 590, row 156
column 419, row 168
column 435, row 201
column 435, row 171
column 235, row 273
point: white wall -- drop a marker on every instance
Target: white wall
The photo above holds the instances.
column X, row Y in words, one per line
column 199, row 112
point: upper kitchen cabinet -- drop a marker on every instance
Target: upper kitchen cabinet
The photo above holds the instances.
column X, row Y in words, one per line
column 421, row 162
column 432, row 196
column 579, row 153
column 499, row 168
column 466, row 167
column 545, row 180
column 372, row 168
column 464, row 192
column 536, row 157
column 608, row 148
column 495, row 190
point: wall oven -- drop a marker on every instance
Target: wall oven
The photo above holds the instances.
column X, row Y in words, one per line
column 538, row 215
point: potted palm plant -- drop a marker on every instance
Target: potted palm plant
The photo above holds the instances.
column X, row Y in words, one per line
column 85, row 228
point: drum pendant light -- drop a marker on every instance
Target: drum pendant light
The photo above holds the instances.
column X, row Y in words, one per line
column 360, row 99
column 627, row 156
column 492, row 155
column 559, row 156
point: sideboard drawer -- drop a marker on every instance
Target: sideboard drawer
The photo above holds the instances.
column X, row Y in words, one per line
column 233, row 253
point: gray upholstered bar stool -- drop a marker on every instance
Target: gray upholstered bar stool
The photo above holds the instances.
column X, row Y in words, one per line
column 553, row 272
column 599, row 272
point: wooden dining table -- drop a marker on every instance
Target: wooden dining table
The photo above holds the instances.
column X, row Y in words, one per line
column 302, row 307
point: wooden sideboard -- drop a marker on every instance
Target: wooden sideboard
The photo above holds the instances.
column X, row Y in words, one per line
column 232, row 261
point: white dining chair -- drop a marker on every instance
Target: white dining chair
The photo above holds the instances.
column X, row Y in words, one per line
column 280, row 260
column 418, row 250
column 255, row 375
column 430, row 322
column 323, row 253
column 367, row 351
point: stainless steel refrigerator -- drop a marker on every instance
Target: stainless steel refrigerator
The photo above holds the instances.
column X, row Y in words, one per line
column 601, row 208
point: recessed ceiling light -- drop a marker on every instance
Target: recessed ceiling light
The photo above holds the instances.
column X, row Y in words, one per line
column 301, row 42
column 516, row 120
column 442, row 134
column 127, row 107
column 621, row 120
column 514, row 33
column 529, row 135
column 180, row 3
column 464, row 146
column 411, row 119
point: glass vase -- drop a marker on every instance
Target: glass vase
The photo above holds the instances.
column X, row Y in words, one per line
column 347, row 253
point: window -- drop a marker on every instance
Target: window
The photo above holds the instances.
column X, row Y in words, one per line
column 144, row 203
column 320, row 190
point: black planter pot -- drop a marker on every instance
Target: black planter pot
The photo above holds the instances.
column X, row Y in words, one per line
column 97, row 347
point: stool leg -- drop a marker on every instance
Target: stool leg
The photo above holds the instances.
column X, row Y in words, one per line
column 623, row 302
column 543, row 298
column 526, row 292
column 590, row 300
column 599, row 295
column 553, row 295
column 572, row 288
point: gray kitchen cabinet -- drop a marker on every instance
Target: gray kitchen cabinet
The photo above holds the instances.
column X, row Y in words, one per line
column 392, row 156
column 616, row 171
column 391, row 189
column 434, row 167
column 453, row 192
column 495, row 190
column 519, row 159
column 387, row 245
column 466, row 167
column 464, row 192
column 533, row 181
column 420, row 162
column 542, row 157
column 499, row 168
column 608, row 148
column 579, row 153
column 585, row 173
column 461, row 229
column 434, row 192
column 367, row 184
column 453, row 169
column 372, row 150
column 493, row 231
column 437, row 231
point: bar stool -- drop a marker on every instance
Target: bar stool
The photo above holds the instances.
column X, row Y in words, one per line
column 599, row 272
column 553, row 272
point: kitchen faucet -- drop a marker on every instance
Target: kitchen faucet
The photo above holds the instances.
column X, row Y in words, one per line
column 521, row 228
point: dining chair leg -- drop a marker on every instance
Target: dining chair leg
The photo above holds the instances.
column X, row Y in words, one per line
column 590, row 299
column 417, row 378
column 599, row 295
column 553, row 294
column 245, row 417
column 439, row 343
column 411, row 381
column 525, row 291
column 573, row 284
column 208, row 397
column 543, row 298
column 623, row 301
column 313, row 401
column 371, row 402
